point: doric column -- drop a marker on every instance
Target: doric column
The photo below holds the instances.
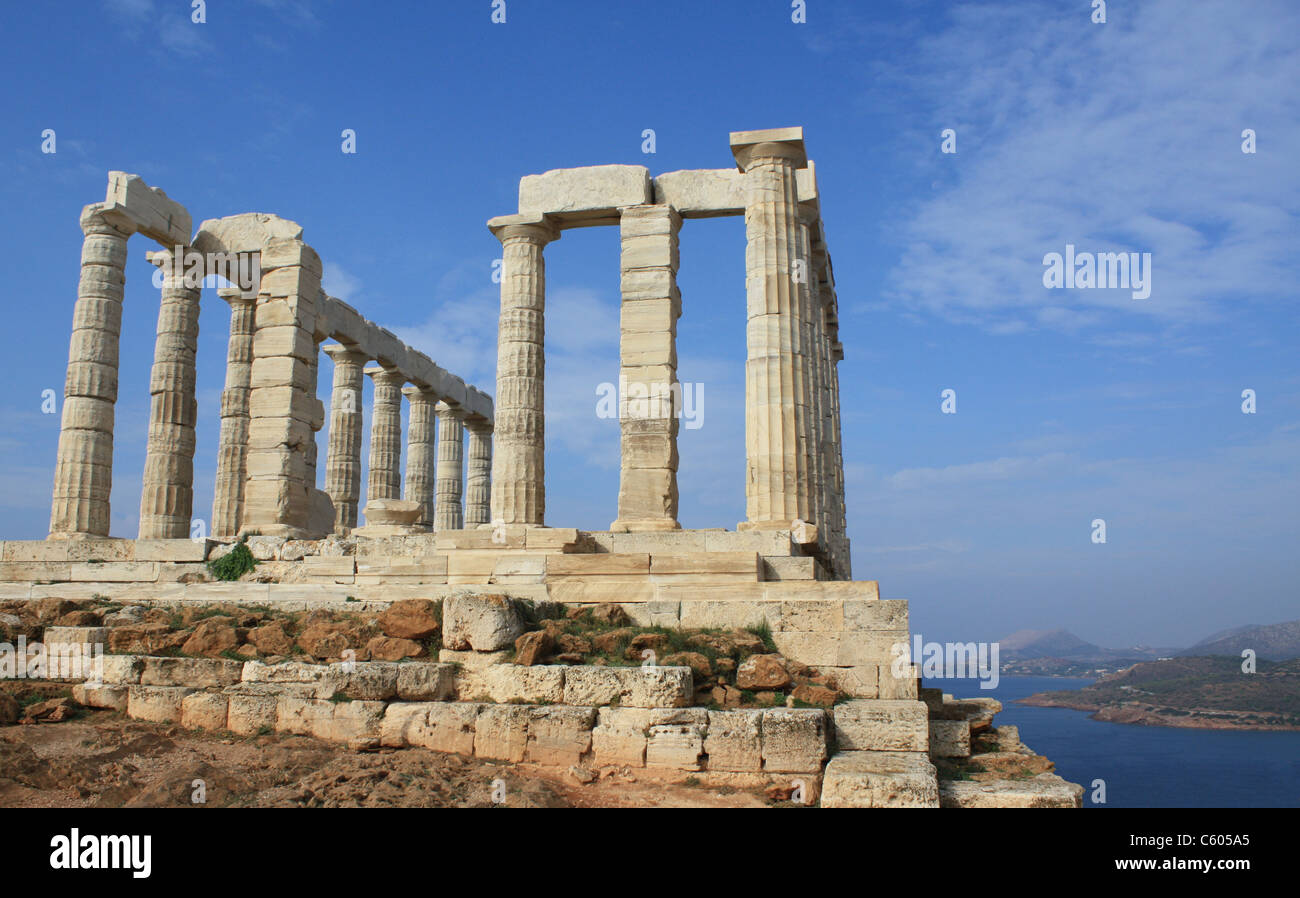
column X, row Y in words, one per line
column 318, row 421
column 167, row 496
column 843, row 552
column 518, row 462
column 232, row 446
column 478, row 474
column 776, row 489
column 421, row 452
column 648, row 387
column 385, row 481
column 343, row 460
column 806, row 380
column 83, row 473
column 451, row 470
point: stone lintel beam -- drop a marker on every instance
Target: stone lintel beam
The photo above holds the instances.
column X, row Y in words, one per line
column 582, row 197
column 717, row 192
column 149, row 209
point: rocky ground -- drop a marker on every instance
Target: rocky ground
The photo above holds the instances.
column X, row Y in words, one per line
column 103, row 759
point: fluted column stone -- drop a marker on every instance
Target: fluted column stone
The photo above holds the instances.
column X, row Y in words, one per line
column 451, row 453
column 421, row 452
column 385, row 480
column 232, row 445
column 518, row 462
column 343, row 458
column 83, row 471
column 167, row 495
column 478, row 472
column 776, row 489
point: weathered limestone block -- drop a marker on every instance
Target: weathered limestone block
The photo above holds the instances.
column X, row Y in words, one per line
column 111, row 697
column 122, row 669
column 892, row 686
column 150, row 209
column 949, row 739
column 197, row 672
column 425, row 682
column 1046, row 790
column 794, row 739
column 630, row 687
column 512, row 683
column 484, row 623
column 501, row 732
column 249, row 714
column 355, row 723
column 588, row 195
column 324, row 679
column 559, row 735
column 619, row 737
column 371, row 680
column 881, row 725
column 159, row 704
column 880, row 779
column 676, row 746
column 76, row 635
column 734, row 740
column 441, row 726
column 204, row 711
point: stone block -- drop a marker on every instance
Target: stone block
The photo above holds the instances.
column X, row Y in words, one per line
column 619, row 737
column 482, row 622
column 111, row 697
column 588, row 195
column 204, row 711
column 734, row 740
column 1046, row 790
column 949, row 739
column 200, row 673
column 513, row 683
column 159, row 704
column 675, row 746
column 880, row 779
column 425, row 682
column 882, row 725
column 794, row 739
column 248, row 714
column 501, row 732
column 559, row 735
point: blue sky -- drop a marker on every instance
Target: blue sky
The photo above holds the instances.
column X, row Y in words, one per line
column 1072, row 405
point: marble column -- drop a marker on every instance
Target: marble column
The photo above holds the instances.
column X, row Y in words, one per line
column 311, row 450
column 83, row 472
column 421, row 452
column 478, row 474
column 776, row 489
column 385, row 481
column 648, row 389
column 806, row 380
column 451, row 469
column 167, row 496
column 232, row 446
column 518, row 462
column 343, row 459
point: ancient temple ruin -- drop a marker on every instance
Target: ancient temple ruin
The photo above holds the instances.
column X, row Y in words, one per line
column 469, row 543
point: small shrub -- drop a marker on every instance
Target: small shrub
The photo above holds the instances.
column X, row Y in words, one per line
column 234, row 564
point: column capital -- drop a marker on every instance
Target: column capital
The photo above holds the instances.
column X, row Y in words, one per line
column 389, row 377
column 534, row 228
column 236, row 296
column 478, row 424
column 415, row 394
column 344, row 355
column 449, row 409
column 773, row 143
column 96, row 219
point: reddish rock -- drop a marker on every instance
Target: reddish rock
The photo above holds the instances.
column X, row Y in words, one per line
column 764, row 672
column 569, row 658
column 409, row 619
column 745, row 641
column 9, row 709
column 328, row 640
column 533, row 647
column 572, row 644
column 608, row 641
column 779, row 792
column 610, row 613
column 78, row 619
column 391, row 648
column 698, row 664
column 814, row 694
column 48, row 610
column 646, row 642
column 144, row 639
column 211, row 637
column 271, row 638
column 51, row 711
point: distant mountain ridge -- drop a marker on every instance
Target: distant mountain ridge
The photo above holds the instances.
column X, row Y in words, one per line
column 1270, row 642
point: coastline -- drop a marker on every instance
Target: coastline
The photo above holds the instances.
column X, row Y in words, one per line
column 1143, row 714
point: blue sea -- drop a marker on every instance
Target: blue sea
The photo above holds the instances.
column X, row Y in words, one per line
column 1147, row 766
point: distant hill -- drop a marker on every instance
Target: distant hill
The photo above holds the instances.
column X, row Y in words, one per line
column 1272, row 642
column 1025, row 645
